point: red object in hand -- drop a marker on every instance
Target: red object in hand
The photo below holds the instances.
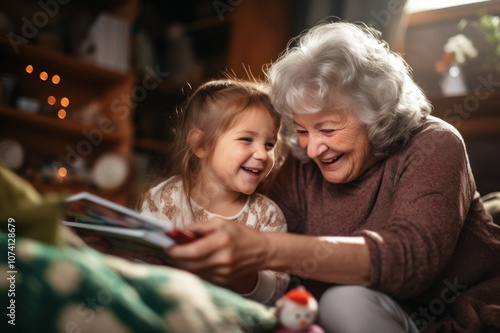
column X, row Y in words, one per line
column 182, row 236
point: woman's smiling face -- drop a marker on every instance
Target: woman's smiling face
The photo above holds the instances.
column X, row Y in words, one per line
column 337, row 142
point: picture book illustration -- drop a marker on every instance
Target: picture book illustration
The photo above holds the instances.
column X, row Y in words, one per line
column 122, row 226
column 87, row 208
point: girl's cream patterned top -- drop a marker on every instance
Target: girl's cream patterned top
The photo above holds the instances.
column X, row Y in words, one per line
column 166, row 202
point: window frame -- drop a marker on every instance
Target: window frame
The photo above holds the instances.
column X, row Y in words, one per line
column 452, row 13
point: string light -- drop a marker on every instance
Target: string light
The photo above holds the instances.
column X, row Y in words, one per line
column 61, row 114
column 62, row 172
column 29, row 69
column 64, row 102
column 56, row 79
column 44, row 76
column 51, row 100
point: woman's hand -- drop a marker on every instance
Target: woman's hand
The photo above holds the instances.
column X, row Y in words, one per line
column 226, row 251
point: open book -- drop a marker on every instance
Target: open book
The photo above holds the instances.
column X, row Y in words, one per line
column 121, row 226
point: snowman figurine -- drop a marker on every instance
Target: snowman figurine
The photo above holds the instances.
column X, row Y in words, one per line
column 296, row 311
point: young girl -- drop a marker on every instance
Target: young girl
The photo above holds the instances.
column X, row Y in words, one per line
column 223, row 149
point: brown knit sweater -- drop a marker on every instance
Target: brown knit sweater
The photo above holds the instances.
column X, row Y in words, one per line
column 432, row 245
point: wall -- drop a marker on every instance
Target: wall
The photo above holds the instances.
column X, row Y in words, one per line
column 476, row 114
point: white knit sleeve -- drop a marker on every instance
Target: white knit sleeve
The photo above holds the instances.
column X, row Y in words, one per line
column 269, row 288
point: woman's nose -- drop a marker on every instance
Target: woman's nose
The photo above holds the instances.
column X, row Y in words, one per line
column 315, row 146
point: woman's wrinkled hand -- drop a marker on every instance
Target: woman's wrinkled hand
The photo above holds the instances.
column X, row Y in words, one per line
column 225, row 251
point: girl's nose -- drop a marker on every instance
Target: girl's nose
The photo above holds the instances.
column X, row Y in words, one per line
column 261, row 153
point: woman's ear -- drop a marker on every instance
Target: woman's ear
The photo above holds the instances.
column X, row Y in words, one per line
column 194, row 138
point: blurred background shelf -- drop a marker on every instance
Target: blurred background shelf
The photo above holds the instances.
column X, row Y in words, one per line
column 62, row 114
column 42, row 124
column 170, row 49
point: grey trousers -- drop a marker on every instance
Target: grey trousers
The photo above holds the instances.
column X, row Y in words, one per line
column 355, row 309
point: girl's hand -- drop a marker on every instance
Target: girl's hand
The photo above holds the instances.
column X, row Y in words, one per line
column 226, row 251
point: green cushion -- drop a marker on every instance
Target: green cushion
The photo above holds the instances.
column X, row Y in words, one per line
column 37, row 216
column 80, row 290
column 50, row 282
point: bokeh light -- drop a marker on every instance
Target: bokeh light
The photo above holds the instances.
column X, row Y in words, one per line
column 56, row 79
column 61, row 114
column 51, row 100
column 62, row 172
column 65, row 101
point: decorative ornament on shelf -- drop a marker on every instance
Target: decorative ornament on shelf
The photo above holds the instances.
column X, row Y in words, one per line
column 296, row 311
column 457, row 51
column 110, row 171
column 11, row 154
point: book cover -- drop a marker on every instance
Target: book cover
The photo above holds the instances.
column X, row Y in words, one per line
column 121, row 226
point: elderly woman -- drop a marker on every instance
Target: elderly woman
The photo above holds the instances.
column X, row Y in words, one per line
column 394, row 236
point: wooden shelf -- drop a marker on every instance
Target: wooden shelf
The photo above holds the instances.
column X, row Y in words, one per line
column 51, row 59
column 95, row 93
column 474, row 116
column 54, row 126
column 468, row 106
column 66, row 188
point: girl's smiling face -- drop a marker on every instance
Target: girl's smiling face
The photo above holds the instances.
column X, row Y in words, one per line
column 337, row 142
column 244, row 155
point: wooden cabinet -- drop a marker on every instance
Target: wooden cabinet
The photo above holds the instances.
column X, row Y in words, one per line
column 126, row 113
column 65, row 114
column 477, row 117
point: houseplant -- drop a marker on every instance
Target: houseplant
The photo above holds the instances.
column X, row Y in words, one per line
column 457, row 50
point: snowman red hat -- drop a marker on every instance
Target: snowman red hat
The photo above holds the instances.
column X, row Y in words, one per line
column 301, row 295
column 297, row 311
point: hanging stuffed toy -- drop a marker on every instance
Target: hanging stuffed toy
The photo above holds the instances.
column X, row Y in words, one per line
column 297, row 311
